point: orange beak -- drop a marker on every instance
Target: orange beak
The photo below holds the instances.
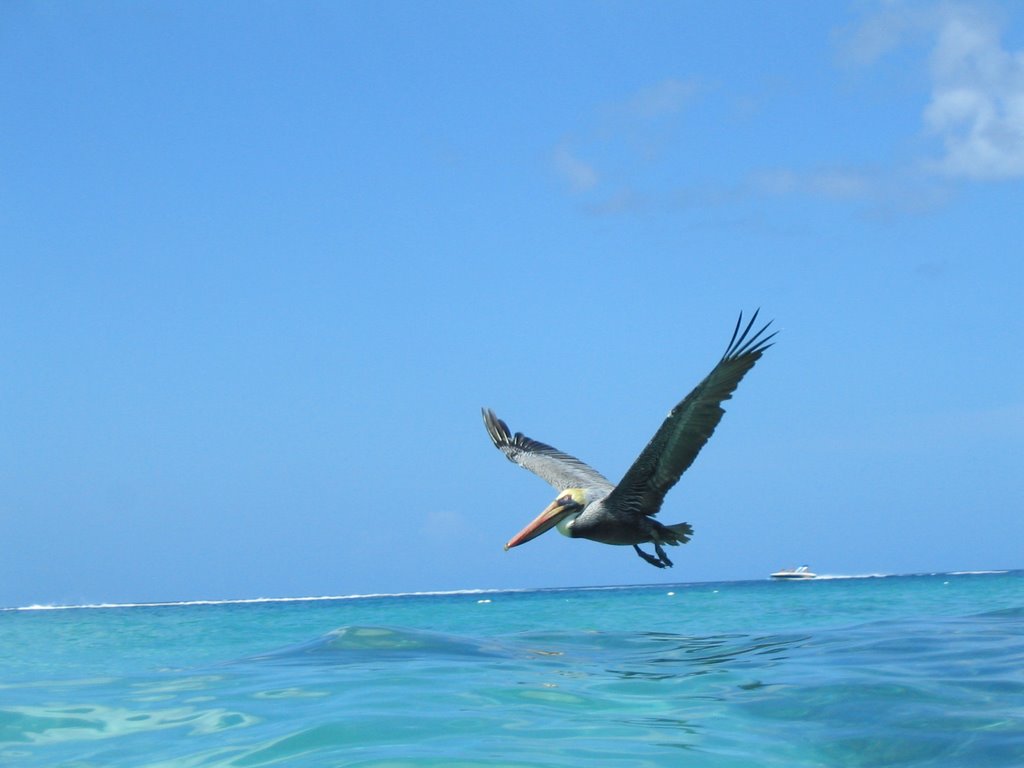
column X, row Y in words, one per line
column 545, row 521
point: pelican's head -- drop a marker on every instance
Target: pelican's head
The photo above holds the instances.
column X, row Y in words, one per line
column 561, row 512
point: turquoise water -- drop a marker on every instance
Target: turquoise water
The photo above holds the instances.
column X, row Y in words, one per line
column 894, row 671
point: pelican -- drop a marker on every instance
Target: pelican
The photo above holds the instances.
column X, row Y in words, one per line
column 588, row 506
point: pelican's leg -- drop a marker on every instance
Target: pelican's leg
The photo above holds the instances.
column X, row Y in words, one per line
column 661, row 553
column 651, row 558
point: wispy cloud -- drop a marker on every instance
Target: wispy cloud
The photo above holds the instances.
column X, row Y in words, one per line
column 883, row 31
column 880, row 191
column 665, row 98
column 633, row 127
column 580, row 175
column 976, row 105
column 834, row 184
column 970, row 125
column 974, row 110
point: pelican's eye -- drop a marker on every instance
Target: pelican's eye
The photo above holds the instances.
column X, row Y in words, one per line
column 568, row 501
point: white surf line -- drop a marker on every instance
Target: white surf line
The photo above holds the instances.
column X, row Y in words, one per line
column 254, row 600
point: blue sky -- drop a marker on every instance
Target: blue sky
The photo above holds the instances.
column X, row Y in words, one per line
column 264, row 262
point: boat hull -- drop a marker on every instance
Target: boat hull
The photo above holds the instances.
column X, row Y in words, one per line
column 794, row 574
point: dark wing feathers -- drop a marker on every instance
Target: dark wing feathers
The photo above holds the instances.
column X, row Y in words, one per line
column 689, row 425
column 558, row 469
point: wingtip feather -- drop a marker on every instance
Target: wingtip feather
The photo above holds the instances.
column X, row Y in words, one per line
column 743, row 343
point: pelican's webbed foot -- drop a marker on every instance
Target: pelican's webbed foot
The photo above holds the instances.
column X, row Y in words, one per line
column 661, row 554
column 661, row 561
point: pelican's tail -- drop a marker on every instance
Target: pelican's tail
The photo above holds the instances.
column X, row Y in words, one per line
column 677, row 534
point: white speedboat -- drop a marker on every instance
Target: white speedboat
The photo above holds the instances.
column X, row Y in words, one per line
column 794, row 574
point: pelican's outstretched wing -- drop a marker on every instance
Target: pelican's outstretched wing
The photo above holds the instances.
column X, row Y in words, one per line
column 551, row 465
column 688, row 426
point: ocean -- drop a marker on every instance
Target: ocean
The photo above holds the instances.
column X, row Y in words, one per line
column 924, row 670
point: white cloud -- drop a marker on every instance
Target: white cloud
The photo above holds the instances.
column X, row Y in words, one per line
column 971, row 119
column 977, row 104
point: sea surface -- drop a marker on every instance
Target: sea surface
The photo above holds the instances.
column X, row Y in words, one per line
column 923, row 670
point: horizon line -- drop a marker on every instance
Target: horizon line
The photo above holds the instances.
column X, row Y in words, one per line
column 456, row 592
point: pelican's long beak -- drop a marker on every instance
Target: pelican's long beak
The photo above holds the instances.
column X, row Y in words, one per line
column 545, row 521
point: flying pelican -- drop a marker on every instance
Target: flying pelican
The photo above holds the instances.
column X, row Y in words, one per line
column 590, row 507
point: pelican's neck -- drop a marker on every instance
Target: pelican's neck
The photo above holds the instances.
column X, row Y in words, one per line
column 564, row 525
